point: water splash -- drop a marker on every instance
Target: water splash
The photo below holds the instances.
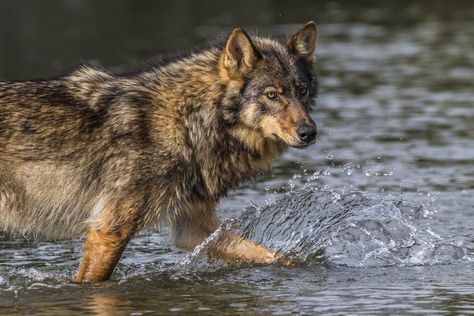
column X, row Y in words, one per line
column 21, row 279
column 314, row 226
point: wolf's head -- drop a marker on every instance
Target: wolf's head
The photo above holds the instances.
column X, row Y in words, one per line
column 271, row 87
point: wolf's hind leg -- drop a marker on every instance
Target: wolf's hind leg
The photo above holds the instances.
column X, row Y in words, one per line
column 11, row 202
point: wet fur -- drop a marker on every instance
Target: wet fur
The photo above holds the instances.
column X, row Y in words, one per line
column 93, row 149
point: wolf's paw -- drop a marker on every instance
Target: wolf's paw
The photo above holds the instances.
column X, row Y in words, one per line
column 284, row 260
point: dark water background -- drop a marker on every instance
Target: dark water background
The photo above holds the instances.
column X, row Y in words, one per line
column 396, row 116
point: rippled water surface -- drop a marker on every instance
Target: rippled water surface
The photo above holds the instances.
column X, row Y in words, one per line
column 396, row 117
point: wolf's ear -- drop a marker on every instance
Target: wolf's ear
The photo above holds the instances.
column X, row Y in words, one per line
column 303, row 43
column 240, row 54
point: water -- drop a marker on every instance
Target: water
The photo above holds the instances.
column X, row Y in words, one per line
column 395, row 114
column 311, row 226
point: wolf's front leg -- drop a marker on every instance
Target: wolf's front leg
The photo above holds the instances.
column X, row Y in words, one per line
column 107, row 239
column 190, row 231
column 233, row 247
column 102, row 251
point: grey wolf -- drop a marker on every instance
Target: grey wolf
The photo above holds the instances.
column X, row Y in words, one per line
column 106, row 155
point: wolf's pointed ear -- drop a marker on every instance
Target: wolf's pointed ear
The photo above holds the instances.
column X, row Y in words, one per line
column 303, row 43
column 240, row 54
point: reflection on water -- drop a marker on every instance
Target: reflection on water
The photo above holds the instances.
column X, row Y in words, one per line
column 395, row 113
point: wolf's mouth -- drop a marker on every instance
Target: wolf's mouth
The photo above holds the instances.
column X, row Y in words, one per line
column 298, row 144
column 303, row 145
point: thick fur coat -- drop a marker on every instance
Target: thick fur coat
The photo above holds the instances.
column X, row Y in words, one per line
column 112, row 154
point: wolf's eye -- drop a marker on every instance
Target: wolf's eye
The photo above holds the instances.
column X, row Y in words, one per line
column 272, row 95
column 303, row 90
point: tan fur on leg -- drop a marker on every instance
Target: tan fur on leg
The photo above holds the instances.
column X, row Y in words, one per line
column 190, row 231
column 233, row 247
column 102, row 251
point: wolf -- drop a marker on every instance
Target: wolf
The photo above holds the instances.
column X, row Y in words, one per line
column 105, row 155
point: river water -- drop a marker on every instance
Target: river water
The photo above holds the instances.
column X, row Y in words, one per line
column 394, row 163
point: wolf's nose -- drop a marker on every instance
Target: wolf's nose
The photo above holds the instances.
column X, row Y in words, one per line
column 306, row 133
